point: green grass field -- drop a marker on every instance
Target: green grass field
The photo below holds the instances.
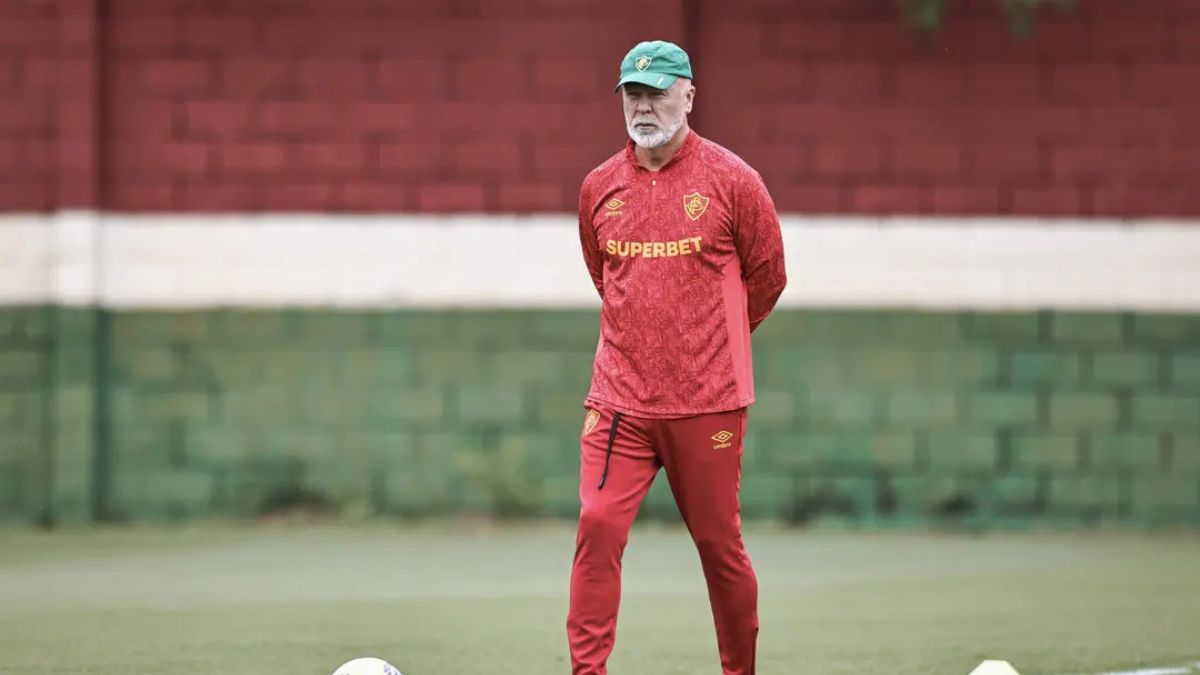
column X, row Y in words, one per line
column 435, row 600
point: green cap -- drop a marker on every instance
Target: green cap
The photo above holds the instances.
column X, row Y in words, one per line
column 655, row 64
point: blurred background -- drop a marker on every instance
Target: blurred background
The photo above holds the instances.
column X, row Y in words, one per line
column 295, row 333
column 275, row 254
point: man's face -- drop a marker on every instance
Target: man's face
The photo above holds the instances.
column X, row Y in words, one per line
column 654, row 116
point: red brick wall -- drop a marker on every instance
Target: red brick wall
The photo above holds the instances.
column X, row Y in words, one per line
column 28, row 81
column 1099, row 114
column 503, row 105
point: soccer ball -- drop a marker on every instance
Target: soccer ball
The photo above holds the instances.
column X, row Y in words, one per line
column 995, row 668
column 366, row 666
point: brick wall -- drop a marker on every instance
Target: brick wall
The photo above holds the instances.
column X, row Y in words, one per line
column 491, row 105
column 851, row 114
column 28, row 45
column 873, row 417
column 25, row 365
column 49, row 104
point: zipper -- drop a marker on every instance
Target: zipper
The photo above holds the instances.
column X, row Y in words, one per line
column 653, row 199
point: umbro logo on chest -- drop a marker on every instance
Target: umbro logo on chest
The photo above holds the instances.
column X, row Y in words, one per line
column 694, row 206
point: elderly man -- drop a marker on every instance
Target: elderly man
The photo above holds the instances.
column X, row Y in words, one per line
column 682, row 242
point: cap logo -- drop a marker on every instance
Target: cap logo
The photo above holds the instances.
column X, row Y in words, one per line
column 642, row 63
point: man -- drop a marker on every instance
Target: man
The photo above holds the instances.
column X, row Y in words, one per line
column 683, row 244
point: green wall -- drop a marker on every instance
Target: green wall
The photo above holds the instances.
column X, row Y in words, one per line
column 24, row 417
column 863, row 417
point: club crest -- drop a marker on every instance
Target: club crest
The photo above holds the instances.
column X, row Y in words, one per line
column 695, row 205
column 590, row 421
column 642, row 63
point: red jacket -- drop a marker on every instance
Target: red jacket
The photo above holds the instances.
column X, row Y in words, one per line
column 688, row 261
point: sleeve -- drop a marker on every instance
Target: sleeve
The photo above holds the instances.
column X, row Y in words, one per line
column 592, row 255
column 760, row 247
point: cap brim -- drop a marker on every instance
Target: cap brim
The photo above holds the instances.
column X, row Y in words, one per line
column 656, row 80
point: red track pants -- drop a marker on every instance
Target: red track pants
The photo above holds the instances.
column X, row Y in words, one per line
column 703, row 458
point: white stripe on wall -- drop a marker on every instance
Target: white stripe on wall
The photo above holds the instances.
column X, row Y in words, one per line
column 514, row 261
column 25, row 252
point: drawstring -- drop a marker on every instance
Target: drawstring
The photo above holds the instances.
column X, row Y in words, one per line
column 612, row 434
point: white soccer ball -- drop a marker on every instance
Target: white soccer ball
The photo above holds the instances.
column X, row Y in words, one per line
column 367, row 666
column 995, row 668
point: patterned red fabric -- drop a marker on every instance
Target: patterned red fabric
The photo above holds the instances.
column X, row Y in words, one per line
column 688, row 260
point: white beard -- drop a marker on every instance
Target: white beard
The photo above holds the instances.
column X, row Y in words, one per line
column 656, row 138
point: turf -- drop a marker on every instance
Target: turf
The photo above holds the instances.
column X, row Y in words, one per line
column 237, row 600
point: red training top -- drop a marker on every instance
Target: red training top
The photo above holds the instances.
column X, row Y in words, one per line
column 688, row 261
